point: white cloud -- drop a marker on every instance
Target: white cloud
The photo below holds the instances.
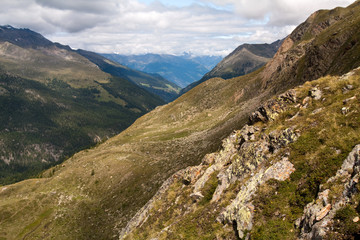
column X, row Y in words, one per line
column 81, row 6
column 132, row 26
column 280, row 12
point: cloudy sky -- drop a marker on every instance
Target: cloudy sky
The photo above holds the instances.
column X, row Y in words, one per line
column 202, row 27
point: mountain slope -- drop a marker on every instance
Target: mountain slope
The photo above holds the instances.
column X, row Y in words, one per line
column 244, row 59
column 262, row 183
column 95, row 193
column 182, row 70
column 54, row 103
column 153, row 83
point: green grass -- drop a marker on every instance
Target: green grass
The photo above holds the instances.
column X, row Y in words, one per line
column 29, row 228
column 209, row 188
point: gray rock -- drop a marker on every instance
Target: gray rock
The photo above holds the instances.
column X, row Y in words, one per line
column 200, row 183
column 349, row 99
column 247, row 134
column 349, row 87
column 196, row 196
column 251, row 155
column 279, row 139
column 317, row 111
column 209, row 159
column 344, row 110
column 241, row 209
column 315, row 93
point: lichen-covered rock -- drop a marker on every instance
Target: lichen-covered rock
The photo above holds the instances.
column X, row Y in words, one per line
column 219, row 160
column 247, row 133
column 200, row 183
column 225, row 178
column 279, row 139
column 251, row 154
column 323, row 212
column 240, row 211
column 209, row 159
column 318, row 215
column 247, row 163
column 288, row 97
column 272, row 108
column 280, row 170
column 191, row 174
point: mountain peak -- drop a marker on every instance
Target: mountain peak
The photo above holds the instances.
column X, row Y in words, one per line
column 24, row 37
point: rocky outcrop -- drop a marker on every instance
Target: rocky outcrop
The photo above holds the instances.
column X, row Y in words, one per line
column 254, row 155
column 248, row 163
column 279, row 139
column 318, row 216
column 191, row 174
column 243, row 155
column 272, row 108
column 240, row 211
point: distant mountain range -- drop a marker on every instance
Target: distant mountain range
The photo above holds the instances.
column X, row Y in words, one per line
column 182, row 70
column 153, row 83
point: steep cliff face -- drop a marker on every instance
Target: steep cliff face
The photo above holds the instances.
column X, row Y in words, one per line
column 291, row 174
column 326, row 43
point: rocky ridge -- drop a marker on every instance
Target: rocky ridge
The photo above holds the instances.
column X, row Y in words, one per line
column 243, row 156
column 248, row 160
column 306, row 54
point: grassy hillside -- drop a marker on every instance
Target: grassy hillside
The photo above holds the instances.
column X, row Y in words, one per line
column 95, row 193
